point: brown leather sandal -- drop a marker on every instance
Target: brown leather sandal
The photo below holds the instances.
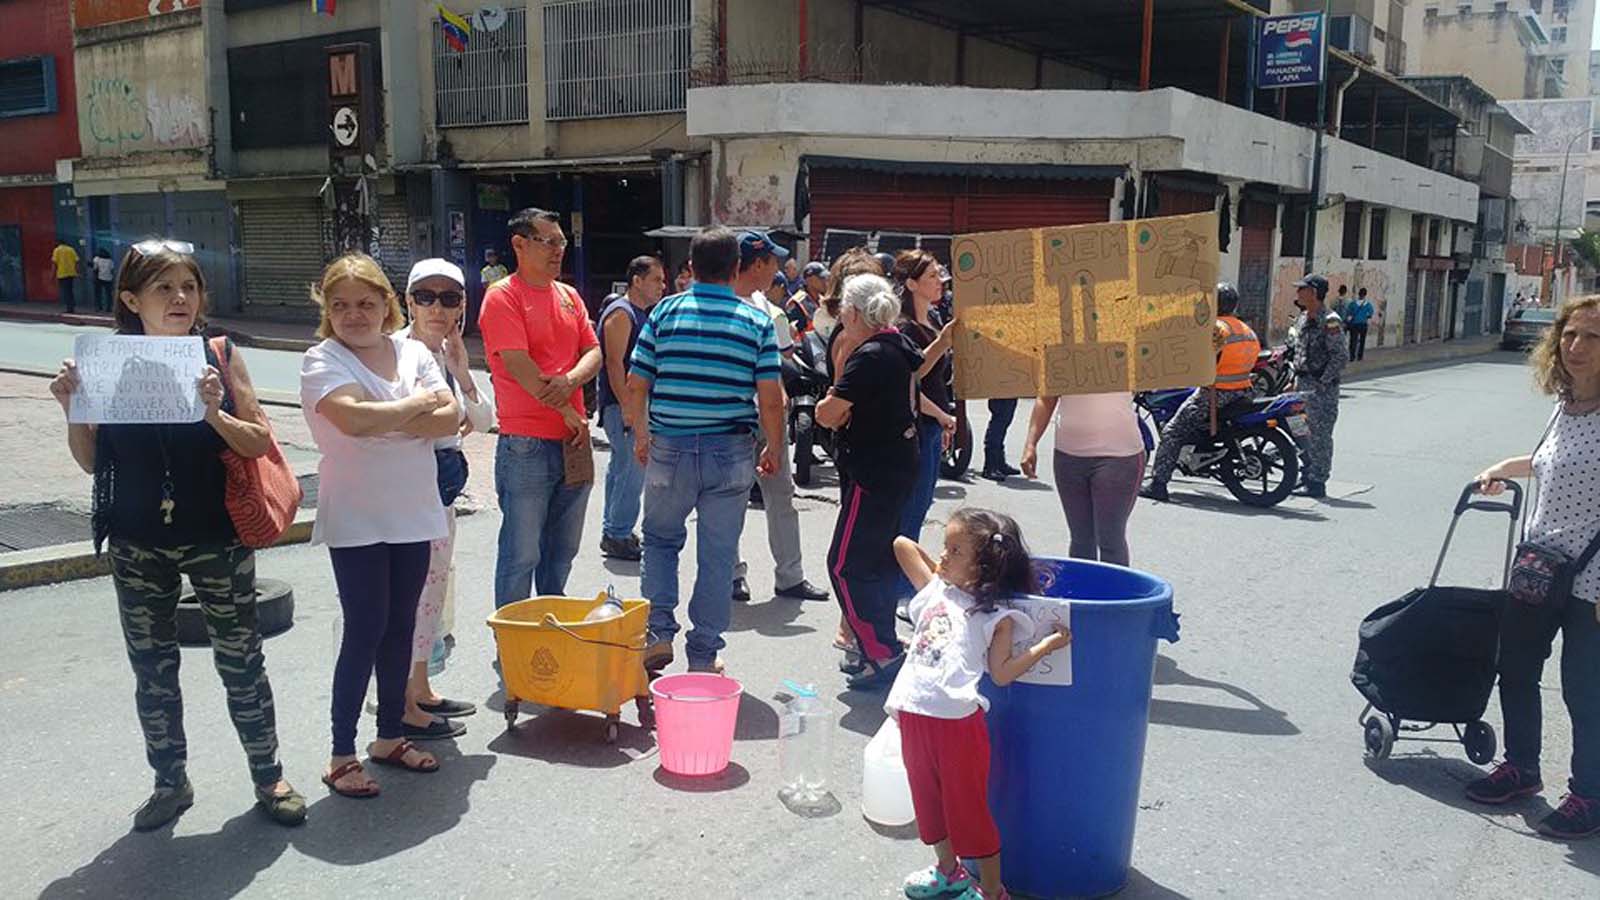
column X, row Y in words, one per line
column 397, row 758
column 370, row 789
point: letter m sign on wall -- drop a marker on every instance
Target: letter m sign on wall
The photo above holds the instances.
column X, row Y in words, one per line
column 351, row 100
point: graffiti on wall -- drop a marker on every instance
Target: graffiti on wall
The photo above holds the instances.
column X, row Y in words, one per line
column 1378, row 281
column 122, row 117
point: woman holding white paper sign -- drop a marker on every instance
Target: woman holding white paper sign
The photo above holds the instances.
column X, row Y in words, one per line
column 159, row 500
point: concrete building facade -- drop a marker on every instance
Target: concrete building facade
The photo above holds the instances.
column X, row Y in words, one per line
column 886, row 122
column 1505, row 48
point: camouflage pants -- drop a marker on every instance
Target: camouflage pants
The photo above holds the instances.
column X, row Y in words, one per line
column 148, row 582
column 1189, row 425
column 1322, row 411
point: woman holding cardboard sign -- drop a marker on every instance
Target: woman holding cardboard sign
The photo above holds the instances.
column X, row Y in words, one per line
column 376, row 402
column 1099, row 463
column 159, row 499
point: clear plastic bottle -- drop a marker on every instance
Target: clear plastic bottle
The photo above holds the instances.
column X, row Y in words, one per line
column 805, row 750
column 610, row 607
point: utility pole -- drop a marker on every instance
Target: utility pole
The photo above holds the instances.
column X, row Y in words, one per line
column 1316, row 153
column 1561, row 208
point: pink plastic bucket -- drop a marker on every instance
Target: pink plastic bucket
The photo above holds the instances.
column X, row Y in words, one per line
column 695, row 716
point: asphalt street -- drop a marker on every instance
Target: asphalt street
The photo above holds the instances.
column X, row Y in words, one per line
column 1254, row 779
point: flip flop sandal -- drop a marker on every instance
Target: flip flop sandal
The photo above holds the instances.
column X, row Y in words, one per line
column 360, row 793
column 397, row 759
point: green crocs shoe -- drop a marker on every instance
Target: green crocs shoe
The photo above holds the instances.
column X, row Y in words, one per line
column 163, row 806
column 930, row 883
column 287, row 809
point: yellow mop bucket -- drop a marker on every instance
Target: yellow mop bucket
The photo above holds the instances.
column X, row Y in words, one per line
column 550, row 656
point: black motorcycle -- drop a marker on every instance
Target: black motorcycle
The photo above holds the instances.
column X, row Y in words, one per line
column 805, row 380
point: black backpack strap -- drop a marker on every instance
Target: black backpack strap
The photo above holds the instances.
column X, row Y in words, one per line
column 1582, row 562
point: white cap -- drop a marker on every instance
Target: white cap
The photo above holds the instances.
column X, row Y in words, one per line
column 427, row 268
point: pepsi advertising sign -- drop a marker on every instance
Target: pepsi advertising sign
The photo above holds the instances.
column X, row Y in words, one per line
column 1290, row 50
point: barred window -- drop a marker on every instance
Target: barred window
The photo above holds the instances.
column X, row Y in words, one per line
column 486, row 84
column 615, row 57
column 28, row 86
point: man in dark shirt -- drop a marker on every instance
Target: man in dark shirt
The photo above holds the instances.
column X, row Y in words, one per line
column 620, row 321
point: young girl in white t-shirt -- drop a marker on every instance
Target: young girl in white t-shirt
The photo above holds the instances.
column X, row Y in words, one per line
column 963, row 629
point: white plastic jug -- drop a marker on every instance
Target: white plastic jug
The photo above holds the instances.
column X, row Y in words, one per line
column 885, row 790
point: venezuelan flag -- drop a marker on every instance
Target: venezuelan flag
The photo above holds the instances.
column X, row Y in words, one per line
column 322, row 7
column 455, row 28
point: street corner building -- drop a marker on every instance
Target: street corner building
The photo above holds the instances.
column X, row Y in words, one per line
column 275, row 135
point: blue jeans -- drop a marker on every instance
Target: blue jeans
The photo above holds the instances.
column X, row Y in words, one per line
column 930, row 450
column 709, row 475
column 1001, row 412
column 541, row 519
column 624, row 478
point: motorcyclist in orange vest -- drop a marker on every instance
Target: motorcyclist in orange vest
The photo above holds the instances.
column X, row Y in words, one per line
column 1237, row 348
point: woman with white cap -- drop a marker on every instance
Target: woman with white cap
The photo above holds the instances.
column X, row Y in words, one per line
column 436, row 298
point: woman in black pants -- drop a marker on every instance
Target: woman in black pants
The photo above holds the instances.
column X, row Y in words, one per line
column 1565, row 517
column 872, row 408
column 375, row 403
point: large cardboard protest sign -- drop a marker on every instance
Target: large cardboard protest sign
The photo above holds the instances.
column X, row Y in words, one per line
column 137, row 380
column 1086, row 309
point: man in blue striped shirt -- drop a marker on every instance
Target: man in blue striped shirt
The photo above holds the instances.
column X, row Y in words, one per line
column 705, row 375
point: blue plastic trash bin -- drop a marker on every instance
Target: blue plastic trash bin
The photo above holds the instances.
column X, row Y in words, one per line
column 1066, row 759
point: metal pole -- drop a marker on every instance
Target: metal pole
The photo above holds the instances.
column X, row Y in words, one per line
column 1222, row 63
column 1144, row 46
column 803, row 15
column 1561, row 208
column 1316, row 152
column 1250, row 71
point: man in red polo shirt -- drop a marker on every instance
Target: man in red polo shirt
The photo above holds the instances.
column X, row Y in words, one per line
column 541, row 350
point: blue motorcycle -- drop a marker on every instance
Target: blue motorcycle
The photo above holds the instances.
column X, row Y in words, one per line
column 1254, row 453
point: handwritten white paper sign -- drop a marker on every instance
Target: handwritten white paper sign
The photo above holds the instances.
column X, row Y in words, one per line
column 1057, row 667
column 127, row 379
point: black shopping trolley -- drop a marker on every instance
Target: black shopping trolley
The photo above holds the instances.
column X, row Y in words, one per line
column 1429, row 658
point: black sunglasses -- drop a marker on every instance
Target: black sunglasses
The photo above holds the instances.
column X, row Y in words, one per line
column 446, row 299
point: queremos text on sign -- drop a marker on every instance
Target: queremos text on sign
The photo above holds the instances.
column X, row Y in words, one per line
column 1086, row 309
column 127, row 379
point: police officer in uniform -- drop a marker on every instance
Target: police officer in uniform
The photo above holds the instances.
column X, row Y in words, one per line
column 1320, row 354
column 1237, row 348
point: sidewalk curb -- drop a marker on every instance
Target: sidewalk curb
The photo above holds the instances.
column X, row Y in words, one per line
column 77, row 561
column 1387, row 361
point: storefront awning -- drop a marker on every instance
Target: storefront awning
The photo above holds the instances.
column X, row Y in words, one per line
column 970, row 170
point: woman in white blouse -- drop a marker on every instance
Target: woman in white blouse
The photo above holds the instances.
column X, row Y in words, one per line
column 436, row 297
column 1565, row 516
column 375, row 403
